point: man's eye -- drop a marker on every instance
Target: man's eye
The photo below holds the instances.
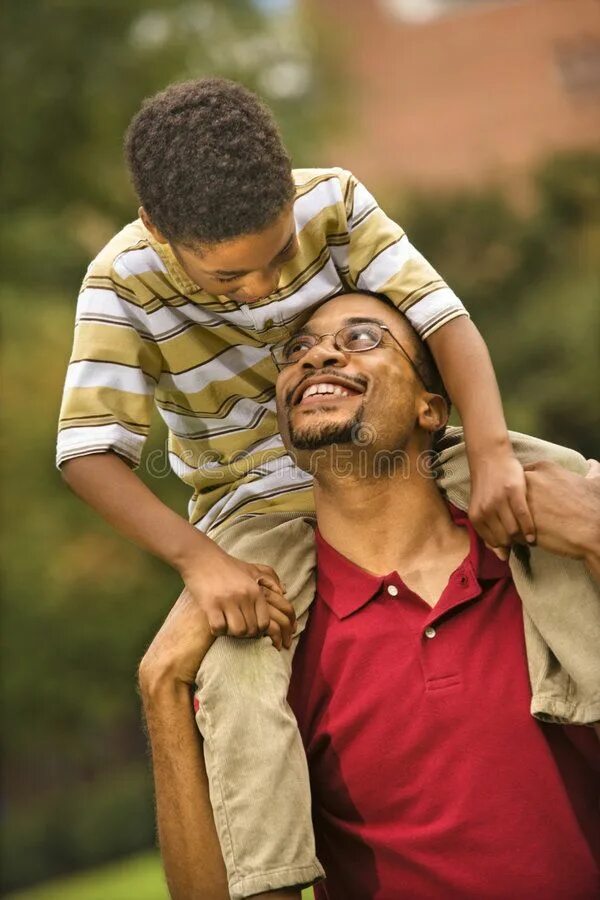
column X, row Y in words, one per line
column 357, row 336
column 298, row 345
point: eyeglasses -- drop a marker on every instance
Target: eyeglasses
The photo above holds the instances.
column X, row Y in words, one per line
column 356, row 338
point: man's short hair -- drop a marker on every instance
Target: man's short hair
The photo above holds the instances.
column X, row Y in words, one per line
column 420, row 352
column 207, row 162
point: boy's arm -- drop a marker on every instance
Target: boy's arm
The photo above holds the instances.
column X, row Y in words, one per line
column 105, row 417
column 498, row 507
column 382, row 259
column 233, row 594
column 190, row 850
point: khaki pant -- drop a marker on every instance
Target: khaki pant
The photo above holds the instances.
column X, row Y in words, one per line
column 256, row 766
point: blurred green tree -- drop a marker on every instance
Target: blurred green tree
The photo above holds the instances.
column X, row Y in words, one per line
column 74, row 74
column 79, row 603
column 531, row 280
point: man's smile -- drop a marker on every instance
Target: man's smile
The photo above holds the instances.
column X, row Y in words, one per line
column 320, row 388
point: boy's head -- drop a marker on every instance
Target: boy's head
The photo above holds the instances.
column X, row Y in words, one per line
column 214, row 180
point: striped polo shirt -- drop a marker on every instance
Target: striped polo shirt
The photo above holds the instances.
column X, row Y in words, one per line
column 146, row 334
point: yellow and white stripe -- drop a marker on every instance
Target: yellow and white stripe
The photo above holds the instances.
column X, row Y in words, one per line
column 145, row 334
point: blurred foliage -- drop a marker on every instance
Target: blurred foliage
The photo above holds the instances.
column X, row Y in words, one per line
column 135, row 878
column 80, row 71
column 79, row 603
column 531, row 280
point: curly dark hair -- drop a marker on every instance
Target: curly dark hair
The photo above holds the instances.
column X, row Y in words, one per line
column 207, row 162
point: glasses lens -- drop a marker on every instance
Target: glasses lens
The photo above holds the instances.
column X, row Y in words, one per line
column 362, row 336
column 296, row 347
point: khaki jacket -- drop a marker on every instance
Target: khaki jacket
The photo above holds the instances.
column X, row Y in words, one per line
column 561, row 600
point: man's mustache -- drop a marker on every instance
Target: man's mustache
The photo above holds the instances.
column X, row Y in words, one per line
column 357, row 380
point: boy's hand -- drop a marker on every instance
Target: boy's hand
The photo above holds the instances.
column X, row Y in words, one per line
column 498, row 508
column 240, row 599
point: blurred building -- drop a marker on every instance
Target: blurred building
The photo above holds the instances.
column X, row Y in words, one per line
column 450, row 92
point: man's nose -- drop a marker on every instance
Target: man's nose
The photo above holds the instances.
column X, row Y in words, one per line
column 323, row 354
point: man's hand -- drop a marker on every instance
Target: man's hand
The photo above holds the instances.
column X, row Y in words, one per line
column 238, row 598
column 175, row 654
column 566, row 508
column 499, row 507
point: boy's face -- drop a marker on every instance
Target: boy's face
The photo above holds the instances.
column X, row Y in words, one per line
column 245, row 269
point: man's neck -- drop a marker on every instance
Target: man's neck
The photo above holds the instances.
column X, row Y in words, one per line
column 397, row 521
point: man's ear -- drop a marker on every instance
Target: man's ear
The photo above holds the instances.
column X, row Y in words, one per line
column 151, row 227
column 433, row 413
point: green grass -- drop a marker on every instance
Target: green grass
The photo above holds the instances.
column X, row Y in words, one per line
column 137, row 878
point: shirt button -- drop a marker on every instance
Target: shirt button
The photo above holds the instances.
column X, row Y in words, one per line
column 392, row 590
column 430, row 632
column 464, row 580
column 269, row 323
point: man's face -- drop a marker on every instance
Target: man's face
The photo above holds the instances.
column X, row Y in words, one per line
column 245, row 269
column 377, row 393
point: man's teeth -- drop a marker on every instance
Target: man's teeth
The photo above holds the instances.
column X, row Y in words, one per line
column 325, row 389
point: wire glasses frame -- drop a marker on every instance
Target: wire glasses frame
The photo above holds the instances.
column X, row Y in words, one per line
column 342, row 340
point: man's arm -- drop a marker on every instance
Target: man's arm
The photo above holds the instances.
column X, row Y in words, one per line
column 566, row 507
column 190, row 849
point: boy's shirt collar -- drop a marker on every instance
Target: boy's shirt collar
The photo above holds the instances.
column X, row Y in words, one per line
column 175, row 272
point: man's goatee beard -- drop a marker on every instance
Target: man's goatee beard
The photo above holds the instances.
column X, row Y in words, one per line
column 317, row 436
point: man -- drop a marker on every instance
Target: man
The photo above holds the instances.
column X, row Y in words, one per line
column 430, row 778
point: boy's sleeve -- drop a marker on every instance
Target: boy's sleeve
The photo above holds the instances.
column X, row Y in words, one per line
column 112, row 374
column 382, row 259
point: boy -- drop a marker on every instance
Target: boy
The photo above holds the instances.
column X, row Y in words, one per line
column 232, row 251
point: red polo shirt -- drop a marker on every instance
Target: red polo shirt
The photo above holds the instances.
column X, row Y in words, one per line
column 431, row 781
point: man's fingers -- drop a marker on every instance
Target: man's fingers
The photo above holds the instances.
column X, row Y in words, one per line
column 248, row 610
column 268, row 577
column 274, row 632
column 284, row 626
column 261, row 610
column 284, row 606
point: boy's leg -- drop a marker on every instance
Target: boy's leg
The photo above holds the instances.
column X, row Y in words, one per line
column 257, row 770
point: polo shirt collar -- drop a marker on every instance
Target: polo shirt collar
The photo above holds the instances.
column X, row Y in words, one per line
column 345, row 587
